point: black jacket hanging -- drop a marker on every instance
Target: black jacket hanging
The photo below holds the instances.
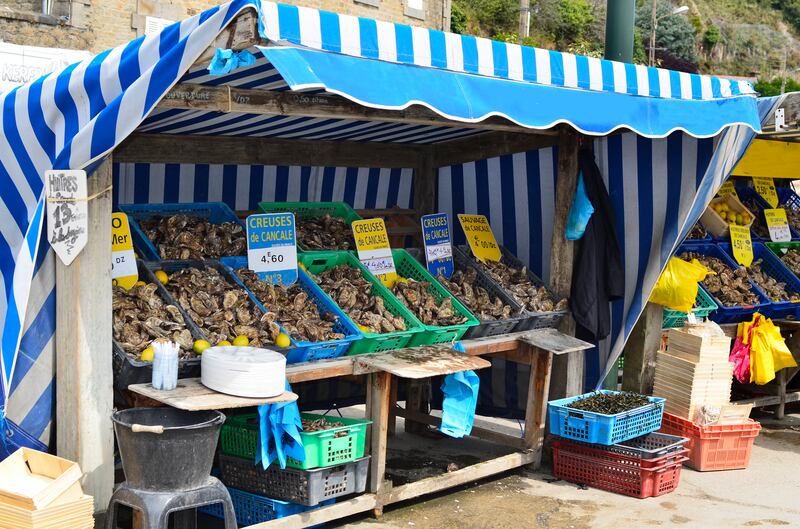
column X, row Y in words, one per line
column 598, row 276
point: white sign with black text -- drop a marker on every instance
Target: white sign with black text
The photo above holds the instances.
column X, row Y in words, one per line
column 67, row 212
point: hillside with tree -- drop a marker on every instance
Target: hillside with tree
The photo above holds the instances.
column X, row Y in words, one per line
column 750, row 38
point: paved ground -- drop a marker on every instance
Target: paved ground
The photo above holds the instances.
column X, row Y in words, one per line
column 764, row 495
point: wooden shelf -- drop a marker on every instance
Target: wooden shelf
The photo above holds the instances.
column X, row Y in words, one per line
column 191, row 395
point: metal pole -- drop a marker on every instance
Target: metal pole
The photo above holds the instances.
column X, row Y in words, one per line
column 619, row 30
column 653, row 26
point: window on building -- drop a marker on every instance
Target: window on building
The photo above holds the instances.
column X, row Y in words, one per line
column 415, row 9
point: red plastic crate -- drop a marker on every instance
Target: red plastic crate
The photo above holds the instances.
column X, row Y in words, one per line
column 614, row 472
column 714, row 447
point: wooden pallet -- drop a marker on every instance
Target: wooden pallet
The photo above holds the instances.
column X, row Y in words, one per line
column 74, row 514
column 698, row 348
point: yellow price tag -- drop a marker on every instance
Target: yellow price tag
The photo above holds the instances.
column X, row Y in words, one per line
column 727, row 188
column 742, row 245
column 124, row 271
column 480, row 237
column 765, row 187
column 778, row 225
column 372, row 243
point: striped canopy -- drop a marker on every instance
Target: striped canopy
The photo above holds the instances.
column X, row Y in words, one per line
column 73, row 118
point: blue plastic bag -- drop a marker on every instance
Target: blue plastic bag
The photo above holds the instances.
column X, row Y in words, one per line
column 460, row 398
column 225, row 61
column 579, row 213
column 279, row 427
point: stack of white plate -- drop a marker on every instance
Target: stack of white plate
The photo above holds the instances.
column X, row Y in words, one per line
column 243, row 371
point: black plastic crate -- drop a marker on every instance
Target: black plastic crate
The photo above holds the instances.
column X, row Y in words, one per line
column 306, row 487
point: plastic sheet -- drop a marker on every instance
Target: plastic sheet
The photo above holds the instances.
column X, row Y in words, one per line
column 460, row 398
column 225, row 61
column 279, row 429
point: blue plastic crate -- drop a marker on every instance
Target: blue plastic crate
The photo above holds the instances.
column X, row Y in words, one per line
column 726, row 313
column 591, row 427
column 252, row 509
column 307, row 351
column 747, row 193
column 774, row 268
column 215, row 212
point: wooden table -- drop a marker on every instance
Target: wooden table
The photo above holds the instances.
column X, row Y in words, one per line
column 191, row 395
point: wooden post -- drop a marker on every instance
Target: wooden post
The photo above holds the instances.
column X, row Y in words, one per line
column 640, row 351
column 379, row 388
column 567, row 373
column 84, row 396
column 536, row 408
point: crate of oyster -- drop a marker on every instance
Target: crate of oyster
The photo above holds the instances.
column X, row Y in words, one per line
column 320, row 225
column 774, row 281
column 316, row 326
column 140, row 315
column 386, row 323
column 731, row 287
column 442, row 316
column 543, row 307
column 197, row 231
column 496, row 310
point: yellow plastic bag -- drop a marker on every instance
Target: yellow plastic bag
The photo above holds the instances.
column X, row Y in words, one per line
column 676, row 289
column 768, row 352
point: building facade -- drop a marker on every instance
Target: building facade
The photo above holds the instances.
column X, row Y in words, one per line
column 97, row 25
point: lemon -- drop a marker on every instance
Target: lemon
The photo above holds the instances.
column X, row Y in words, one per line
column 223, row 343
column 302, row 267
column 113, row 282
column 147, row 355
column 723, row 215
column 241, row 340
column 739, row 219
column 283, row 340
column 364, row 328
column 200, row 346
column 162, row 276
column 139, row 284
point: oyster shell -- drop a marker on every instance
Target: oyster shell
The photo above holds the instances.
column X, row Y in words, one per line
column 477, row 299
column 324, row 233
column 140, row 316
column 515, row 281
column 419, row 297
column 729, row 286
column 774, row 289
column 188, row 237
column 697, row 232
column 222, row 310
column 792, row 260
column 291, row 308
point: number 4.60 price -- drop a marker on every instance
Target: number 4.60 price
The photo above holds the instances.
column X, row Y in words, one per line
column 272, row 258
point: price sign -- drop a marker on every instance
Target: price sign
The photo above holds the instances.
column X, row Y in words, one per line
column 272, row 247
column 727, row 188
column 438, row 248
column 742, row 245
column 480, row 237
column 372, row 243
column 778, row 225
column 67, row 213
column 766, row 188
column 124, row 271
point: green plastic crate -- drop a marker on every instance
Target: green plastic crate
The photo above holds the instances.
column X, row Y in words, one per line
column 409, row 267
column 318, row 261
column 311, row 209
column 239, row 438
column 704, row 305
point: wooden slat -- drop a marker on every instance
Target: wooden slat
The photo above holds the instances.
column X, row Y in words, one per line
column 555, row 342
column 191, row 395
column 319, row 369
column 379, row 387
column 168, row 148
column 240, row 34
column 420, row 363
column 341, row 509
column 490, row 145
column 477, row 432
column 536, row 406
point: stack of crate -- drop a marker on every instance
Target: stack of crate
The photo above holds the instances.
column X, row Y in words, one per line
column 693, row 372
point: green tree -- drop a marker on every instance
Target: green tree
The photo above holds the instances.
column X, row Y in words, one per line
column 674, row 33
column 574, row 18
column 458, row 19
column 712, row 36
column 773, row 87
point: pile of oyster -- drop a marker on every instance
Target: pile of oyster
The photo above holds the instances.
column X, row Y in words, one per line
column 292, row 308
column 774, row 289
column 515, row 281
column 792, row 260
column 759, row 226
column 324, row 233
column 793, row 216
column 463, row 284
column 222, row 310
column 697, row 232
column 187, row 237
column 731, row 287
column 348, row 288
column 319, row 425
column 141, row 316
column 418, row 296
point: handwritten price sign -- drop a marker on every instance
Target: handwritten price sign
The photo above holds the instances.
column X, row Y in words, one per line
column 372, row 243
column 438, row 248
column 742, row 245
column 124, row 271
column 727, row 189
column 778, row 225
column 272, row 247
column 766, row 188
column 480, row 237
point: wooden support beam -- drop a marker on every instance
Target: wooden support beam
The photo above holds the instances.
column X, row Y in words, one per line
column 567, row 374
column 477, row 432
column 341, row 509
column 84, row 377
column 490, row 145
column 240, row 34
column 536, row 407
column 186, row 96
column 166, row 148
column 379, row 388
column 640, row 351
column 425, row 184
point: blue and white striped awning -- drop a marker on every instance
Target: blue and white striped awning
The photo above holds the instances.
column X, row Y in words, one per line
column 74, row 117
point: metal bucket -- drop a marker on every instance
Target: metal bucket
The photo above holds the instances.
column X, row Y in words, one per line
column 166, row 449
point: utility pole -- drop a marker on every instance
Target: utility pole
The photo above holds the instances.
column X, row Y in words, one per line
column 653, row 26
column 524, row 19
column 620, row 17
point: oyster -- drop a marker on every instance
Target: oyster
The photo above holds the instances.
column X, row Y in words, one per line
column 697, row 232
column 774, row 289
column 324, row 233
column 222, row 310
column 420, row 298
column 792, row 260
column 464, row 285
column 515, row 281
column 140, row 315
column 348, row 288
column 793, row 216
column 292, row 309
column 729, row 286
column 188, row 237
column 759, row 226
